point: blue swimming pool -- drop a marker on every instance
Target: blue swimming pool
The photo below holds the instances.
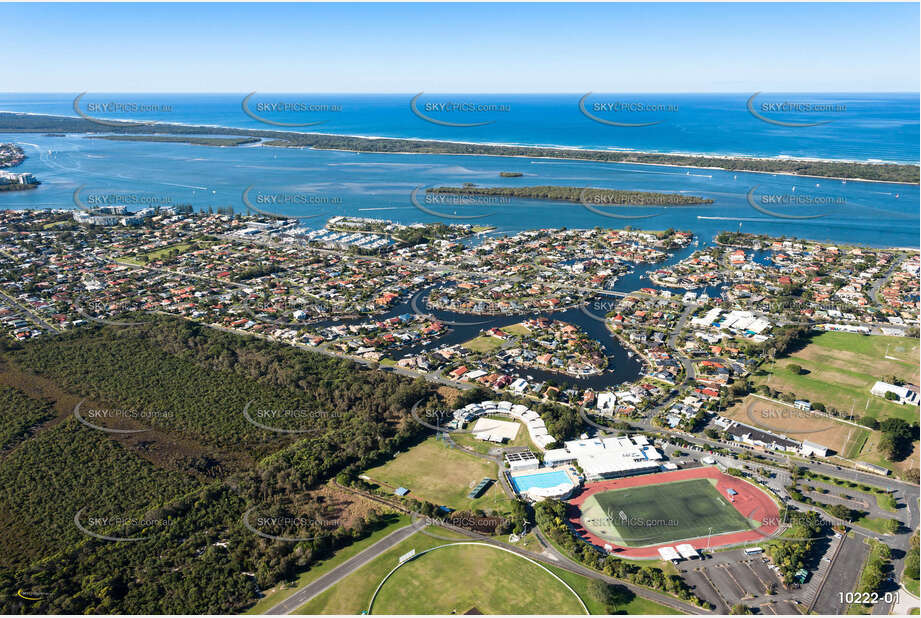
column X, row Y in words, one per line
column 540, row 479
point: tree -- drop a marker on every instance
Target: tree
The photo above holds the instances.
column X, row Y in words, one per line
column 612, row 596
column 740, row 609
column 795, row 369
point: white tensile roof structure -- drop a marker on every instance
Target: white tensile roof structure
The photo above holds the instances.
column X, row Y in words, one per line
column 686, row 551
column 669, row 553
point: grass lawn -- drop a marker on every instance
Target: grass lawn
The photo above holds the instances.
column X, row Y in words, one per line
column 872, row 454
column 351, row 595
column 517, row 329
column 162, row 252
column 876, row 524
column 886, row 502
column 636, row 606
column 483, row 343
column 462, row 577
column 855, row 446
column 442, row 475
column 842, row 367
column 911, row 585
column 280, row 593
column 663, row 513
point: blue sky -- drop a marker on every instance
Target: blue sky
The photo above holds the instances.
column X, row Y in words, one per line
column 460, row 48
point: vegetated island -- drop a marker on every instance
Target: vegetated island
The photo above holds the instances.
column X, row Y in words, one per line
column 197, row 141
column 11, row 122
column 584, row 195
column 511, row 174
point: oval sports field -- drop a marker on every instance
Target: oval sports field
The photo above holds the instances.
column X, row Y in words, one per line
column 637, row 515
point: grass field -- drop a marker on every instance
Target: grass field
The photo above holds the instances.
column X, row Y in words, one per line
column 351, row 595
column 842, row 367
column 280, row 593
column 635, row 606
column 846, row 440
column 662, row 513
column 483, row 343
column 442, row 475
column 459, row 578
column 158, row 253
column 517, row 329
column 871, row 453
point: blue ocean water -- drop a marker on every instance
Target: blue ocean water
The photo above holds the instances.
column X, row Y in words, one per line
column 862, row 127
column 321, row 184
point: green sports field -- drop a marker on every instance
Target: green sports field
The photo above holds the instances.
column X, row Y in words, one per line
column 461, row 578
column 664, row 513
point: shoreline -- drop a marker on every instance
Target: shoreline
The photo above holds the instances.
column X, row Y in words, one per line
column 562, row 158
column 294, row 140
column 611, row 150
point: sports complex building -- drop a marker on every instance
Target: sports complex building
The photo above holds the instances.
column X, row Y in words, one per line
column 564, row 469
column 605, row 458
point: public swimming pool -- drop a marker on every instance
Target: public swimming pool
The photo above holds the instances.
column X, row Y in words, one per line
column 541, row 479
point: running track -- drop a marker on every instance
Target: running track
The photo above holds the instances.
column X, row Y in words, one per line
column 751, row 502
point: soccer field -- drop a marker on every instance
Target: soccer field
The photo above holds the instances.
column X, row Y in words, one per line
column 663, row 513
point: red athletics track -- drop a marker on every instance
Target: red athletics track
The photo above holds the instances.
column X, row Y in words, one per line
column 751, row 502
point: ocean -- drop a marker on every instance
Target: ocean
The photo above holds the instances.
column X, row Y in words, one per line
column 858, row 127
column 77, row 171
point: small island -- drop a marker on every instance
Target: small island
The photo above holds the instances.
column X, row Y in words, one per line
column 12, row 155
column 510, row 174
column 196, row 141
column 585, row 195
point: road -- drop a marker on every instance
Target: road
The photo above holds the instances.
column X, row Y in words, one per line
column 345, row 569
column 906, row 493
column 29, row 313
column 550, row 556
column 873, row 292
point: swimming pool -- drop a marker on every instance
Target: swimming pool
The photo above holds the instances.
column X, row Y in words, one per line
column 541, row 480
